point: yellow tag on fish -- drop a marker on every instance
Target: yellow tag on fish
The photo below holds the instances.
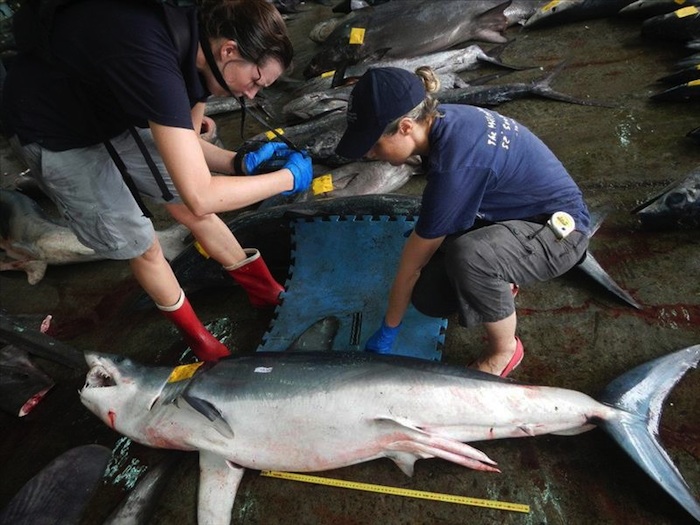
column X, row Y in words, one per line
column 180, row 373
column 357, row 35
column 201, row 250
column 691, row 10
column 322, row 184
column 551, row 5
column 271, row 134
column 328, row 74
column 694, row 83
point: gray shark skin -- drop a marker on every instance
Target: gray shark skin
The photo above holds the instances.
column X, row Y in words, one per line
column 385, row 34
column 60, row 492
column 676, row 207
column 34, row 241
column 357, row 407
column 355, row 178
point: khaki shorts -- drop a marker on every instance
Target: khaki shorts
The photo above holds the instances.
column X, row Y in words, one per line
column 471, row 273
column 93, row 198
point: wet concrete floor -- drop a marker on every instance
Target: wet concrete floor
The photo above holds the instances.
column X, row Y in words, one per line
column 576, row 335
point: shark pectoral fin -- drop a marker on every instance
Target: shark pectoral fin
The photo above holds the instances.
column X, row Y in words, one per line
column 211, row 413
column 218, row 484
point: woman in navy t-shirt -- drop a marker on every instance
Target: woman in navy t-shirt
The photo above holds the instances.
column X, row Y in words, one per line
column 492, row 188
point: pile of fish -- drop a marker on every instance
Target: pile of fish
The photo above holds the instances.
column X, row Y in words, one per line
column 244, row 412
column 675, row 21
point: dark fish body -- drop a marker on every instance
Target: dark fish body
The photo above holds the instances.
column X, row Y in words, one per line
column 138, row 506
column 381, row 31
column 681, row 93
column 22, row 384
column 567, row 11
column 649, row 8
column 677, row 206
column 245, row 412
column 487, row 96
column 680, row 25
column 681, row 77
column 318, row 137
column 60, row 492
column 38, row 343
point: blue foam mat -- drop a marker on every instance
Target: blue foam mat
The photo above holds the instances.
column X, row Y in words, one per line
column 344, row 267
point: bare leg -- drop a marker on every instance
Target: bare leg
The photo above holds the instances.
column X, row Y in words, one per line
column 245, row 266
column 155, row 275
column 501, row 337
column 211, row 233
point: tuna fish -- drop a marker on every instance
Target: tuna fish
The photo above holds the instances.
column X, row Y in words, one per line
column 245, row 412
column 380, row 32
column 566, row 11
column 649, row 8
column 682, row 24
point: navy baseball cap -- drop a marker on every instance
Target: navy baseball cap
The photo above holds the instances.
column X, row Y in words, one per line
column 382, row 95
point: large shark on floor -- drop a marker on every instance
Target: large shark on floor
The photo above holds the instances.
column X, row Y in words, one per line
column 311, row 411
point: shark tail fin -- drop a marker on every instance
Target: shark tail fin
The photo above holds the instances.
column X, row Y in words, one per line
column 639, row 395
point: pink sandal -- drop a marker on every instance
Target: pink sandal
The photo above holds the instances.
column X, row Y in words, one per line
column 516, row 359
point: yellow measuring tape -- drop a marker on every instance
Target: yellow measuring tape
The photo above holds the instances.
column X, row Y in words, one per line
column 396, row 491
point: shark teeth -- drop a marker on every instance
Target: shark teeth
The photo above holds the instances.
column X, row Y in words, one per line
column 99, row 377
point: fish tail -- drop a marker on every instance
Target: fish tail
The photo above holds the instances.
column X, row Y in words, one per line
column 542, row 87
column 639, row 395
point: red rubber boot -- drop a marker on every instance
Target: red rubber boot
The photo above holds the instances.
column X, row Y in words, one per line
column 255, row 278
column 204, row 345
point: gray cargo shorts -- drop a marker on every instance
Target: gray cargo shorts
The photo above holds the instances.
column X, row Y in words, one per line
column 471, row 273
column 93, row 198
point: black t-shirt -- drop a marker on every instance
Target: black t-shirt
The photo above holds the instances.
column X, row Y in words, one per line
column 115, row 65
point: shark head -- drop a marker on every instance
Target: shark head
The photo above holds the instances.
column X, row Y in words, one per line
column 120, row 392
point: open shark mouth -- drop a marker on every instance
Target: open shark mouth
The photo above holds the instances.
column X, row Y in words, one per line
column 99, row 377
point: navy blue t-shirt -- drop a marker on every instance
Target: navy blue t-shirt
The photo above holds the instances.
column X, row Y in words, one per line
column 115, row 66
column 487, row 166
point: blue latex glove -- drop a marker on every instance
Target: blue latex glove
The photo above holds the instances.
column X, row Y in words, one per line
column 383, row 339
column 253, row 159
column 302, row 170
